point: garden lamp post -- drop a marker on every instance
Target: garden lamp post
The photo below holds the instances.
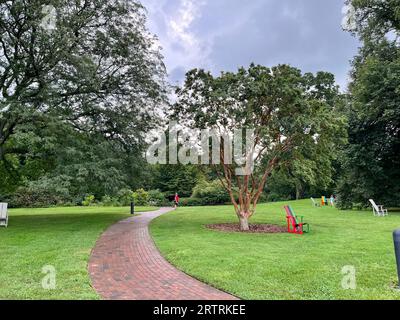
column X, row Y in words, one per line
column 132, row 207
column 396, row 239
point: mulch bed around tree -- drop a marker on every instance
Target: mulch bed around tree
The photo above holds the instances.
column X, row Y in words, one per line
column 254, row 228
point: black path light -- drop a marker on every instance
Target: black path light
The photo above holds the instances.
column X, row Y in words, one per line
column 132, row 207
column 396, row 239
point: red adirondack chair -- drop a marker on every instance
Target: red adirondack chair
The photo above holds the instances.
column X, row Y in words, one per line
column 295, row 225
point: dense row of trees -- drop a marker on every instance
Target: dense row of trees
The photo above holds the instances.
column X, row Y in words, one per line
column 80, row 83
column 77, row 100
column 371, row 161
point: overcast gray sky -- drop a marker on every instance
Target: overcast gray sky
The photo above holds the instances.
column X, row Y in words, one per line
column 222, row 35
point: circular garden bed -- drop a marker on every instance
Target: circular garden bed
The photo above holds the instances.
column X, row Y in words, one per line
column 254, row 228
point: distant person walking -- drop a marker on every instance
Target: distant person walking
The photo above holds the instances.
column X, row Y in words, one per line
column 333, row 200
column 176, row 200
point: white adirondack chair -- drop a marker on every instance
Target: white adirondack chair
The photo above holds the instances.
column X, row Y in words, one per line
column 3, row 215
column 377, row 209
column 315, row 204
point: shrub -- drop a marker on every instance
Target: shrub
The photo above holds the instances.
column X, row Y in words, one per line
column 274, row 197
column 191, row 202
column 88, row 200
column 41, row 193
column 157, row 198
column 108, row 201
column 141, row 197
column 263, row 198
column 210, row 193
column 27, row 197
column 125, row 197
column 176, row 178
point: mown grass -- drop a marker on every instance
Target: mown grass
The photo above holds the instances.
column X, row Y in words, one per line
column 59, row 237
column 284, row 266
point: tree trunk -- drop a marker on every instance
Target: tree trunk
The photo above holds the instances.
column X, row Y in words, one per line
column 244, row 223
column 299, row 191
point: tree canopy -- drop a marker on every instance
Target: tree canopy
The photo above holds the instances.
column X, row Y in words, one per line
column 82, row 83
column 373, row 19
column 292, row 115
column 371, row 163
column 79, row 88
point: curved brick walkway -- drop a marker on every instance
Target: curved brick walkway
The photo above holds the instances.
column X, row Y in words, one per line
column 125, row 264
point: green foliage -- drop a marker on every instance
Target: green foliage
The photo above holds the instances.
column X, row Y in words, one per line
column 57, row 156
column 77, row 101
column 374, row 19
column 43, row 193
column 370, row 162
column 28, row 197
column 192, row 202
column 280, row 186
column 210, row 193
column 141, row 197
column 125, row 197
column 295, row 116
column 108, row 201
column 88, row 200
column 176, row 178
column 157, row 198
column 78, row 75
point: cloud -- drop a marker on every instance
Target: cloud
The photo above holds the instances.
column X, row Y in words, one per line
column 226, row 34
column 183, row 48
column 179, row 27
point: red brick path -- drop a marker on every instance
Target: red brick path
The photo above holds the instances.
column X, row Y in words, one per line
column 125, row 264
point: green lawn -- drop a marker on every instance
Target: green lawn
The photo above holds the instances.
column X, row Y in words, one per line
column 60, row 237
column 284, row 266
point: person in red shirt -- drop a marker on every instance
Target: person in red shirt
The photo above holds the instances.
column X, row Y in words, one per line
column 176, row 200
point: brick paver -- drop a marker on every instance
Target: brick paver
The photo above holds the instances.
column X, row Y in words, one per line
column 126, row 265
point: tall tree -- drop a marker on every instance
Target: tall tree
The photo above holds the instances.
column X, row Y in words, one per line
column 372, row 20
column 371, row 161
column 90, row 63
column 313, row 166
column 286, row 109
column 176, row 178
